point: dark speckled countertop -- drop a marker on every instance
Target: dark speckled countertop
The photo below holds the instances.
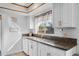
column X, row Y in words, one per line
column 54, row 41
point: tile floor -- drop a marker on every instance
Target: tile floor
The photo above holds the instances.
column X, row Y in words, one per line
column 18, row 54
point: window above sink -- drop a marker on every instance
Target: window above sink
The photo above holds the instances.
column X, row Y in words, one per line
column 44, row 23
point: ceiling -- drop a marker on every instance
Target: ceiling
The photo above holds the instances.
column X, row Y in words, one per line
column 22, row 7
column 19, row 8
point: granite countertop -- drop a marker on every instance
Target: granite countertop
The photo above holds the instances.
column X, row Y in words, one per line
column 54, row 41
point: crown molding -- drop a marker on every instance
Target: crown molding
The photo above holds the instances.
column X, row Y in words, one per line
column 21, row 5
column 22, row 11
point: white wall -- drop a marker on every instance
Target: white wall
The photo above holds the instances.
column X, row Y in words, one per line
column 77, row 24
column 23, row 22
column 8, row 38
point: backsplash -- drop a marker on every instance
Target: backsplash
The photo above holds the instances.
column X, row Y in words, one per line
column 65, row 32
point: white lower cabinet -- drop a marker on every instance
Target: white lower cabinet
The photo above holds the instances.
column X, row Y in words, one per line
column 34, row 48
column 42, row 49
column 30, row 47
column 52, row 51
column 46, row 50
column 25, row 46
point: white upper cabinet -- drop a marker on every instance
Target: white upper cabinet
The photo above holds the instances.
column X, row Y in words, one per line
column 57, row 13
column 63, row 15
column 68, row 15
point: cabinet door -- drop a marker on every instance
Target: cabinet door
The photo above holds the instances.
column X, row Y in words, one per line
column 68, row 10
column 63, row 15
column 34, row 51
column 42, row 49
column 25, row 46
column 51, row 51
column 39, row 49
column 46, row 50
column 57, row 14
column 32, row 48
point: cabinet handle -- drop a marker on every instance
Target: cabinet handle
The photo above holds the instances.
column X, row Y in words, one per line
column 48, row 54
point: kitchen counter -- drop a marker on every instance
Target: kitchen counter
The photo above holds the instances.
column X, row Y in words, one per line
column 54, row 41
